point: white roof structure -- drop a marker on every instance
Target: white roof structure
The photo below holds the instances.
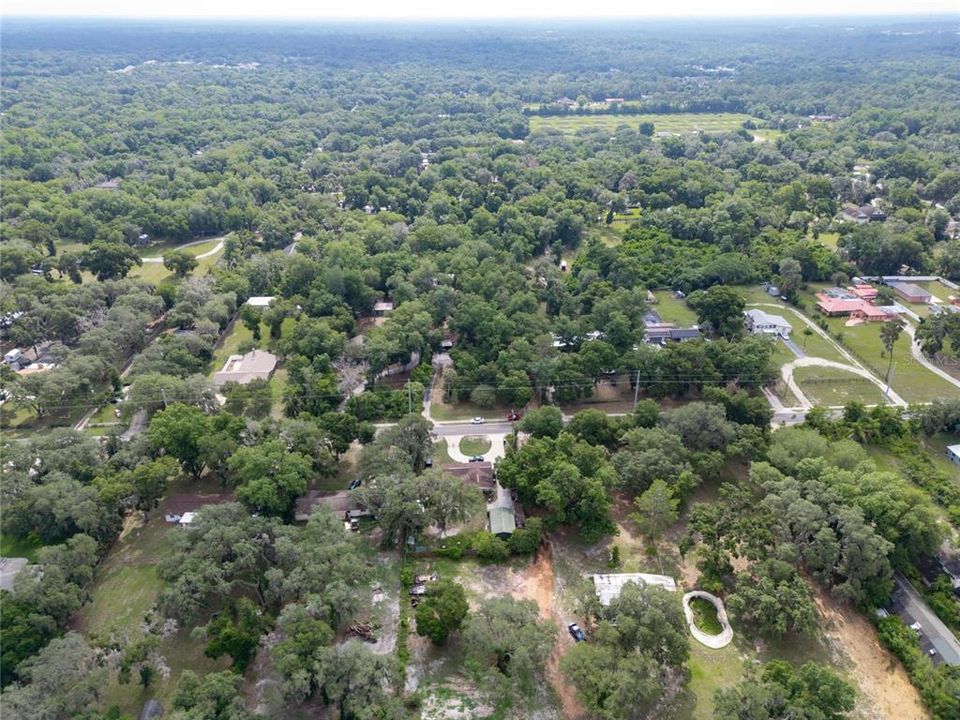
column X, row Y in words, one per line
column 255, row 365
column 609, row 586
column 187, row 518
column 260, row 301
column 383, row 306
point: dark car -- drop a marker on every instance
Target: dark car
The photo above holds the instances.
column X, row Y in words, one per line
column 576, row 632
column 428, row 463
column 354, row 484
column 476, row 458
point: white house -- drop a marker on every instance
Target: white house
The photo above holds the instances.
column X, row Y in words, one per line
column 953, row 454
column 760, row 322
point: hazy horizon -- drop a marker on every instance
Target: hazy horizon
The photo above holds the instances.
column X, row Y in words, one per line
column 494, row 10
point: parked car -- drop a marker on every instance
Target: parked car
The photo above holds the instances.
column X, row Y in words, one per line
column 576, row 632
column 514, row 416
column 476, row 458
column 355, row 483
column 477, row 421
column 428, row 462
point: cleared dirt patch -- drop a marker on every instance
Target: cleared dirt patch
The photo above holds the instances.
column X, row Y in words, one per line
column 882, row 681
column 538, row 585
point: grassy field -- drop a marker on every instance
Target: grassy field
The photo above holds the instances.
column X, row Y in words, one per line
column 910, row 379
column 234, row 336
column 936, row 446
column 674, row 123
column 125, row 589
column 12, row 547
column 832, row 386
column 827, row 238
column 705, row 616
column 440, row 454
column 673, row 309
column 156, row 273
column 474, row 445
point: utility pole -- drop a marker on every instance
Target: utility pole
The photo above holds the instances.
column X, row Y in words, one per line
column 163, row 394
column 409, row 399
column 636, row 390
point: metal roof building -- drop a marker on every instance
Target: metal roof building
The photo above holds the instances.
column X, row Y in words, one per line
column 609, row 586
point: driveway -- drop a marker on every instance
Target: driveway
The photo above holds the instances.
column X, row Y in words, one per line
column 793, row 347
column 495, row 452
column 922, row 359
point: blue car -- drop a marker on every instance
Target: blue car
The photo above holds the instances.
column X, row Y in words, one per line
column 576, row 632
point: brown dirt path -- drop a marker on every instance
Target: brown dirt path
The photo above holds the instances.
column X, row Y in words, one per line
column 538, row 585
column 881, row 679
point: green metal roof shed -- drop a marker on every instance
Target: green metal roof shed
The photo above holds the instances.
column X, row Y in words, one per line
column 502, row 522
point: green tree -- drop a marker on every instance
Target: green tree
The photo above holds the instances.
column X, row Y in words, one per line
column 216, row 696
column 656, row 510
column 180, row 263
column 781, row 692
column 178, row 431
column 268, row 478
column 108, row 260
column 441, row 611
column 772, row 598
column 546, row 421
column 235, row 631
column 506, row 645
column 720, row 306
column 889, row 334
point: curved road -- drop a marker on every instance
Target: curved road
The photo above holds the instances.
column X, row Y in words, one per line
column 217, row 248
column 787, row 372
column 922, row 359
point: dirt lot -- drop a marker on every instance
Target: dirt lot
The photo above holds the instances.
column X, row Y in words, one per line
column 882, row 681
column 539, row 585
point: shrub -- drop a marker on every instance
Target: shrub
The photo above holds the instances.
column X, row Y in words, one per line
column 490, row 548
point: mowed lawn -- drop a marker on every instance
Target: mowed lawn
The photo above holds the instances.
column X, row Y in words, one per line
column 155, row 272
column 832, row 386
column 909, row 378
column 13, row 547
column 680, row 123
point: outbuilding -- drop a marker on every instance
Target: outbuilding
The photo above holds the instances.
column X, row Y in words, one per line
column 953, row 454
column 910, row 292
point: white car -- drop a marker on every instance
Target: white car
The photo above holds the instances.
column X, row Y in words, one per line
column 477, row 421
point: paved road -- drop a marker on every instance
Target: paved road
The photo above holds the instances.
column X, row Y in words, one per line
column 911, row 607
column 465, row 427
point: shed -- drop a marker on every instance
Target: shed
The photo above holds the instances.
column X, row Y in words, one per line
column 502, row 521
column 953, row 453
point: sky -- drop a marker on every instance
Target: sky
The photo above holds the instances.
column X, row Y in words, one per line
column 454, row 9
